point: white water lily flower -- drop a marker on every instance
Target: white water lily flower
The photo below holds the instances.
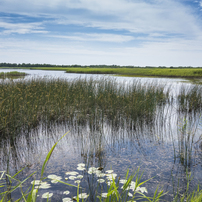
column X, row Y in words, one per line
column 72, row 177
column 101, row 180
column 141, row 189
column 111, row 176
column 100, row 174
column 44, row 186
column 72, row 173
column 104, row 195
column 122, row 181
column 79, row 176
column 66, row 192
column 126, row 188
column 47, row 195
column 67, row 199
column 109, row 183
column 81, row 165
column 77, row 181
column 109, row 171
column 36, row 182
column 92, row 170
column 83, row 195
column 80, row 168
column 54, row 177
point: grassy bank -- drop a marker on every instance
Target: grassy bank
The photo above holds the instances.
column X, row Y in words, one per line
column 24, row 104
column 13, row 74
column 139, row 72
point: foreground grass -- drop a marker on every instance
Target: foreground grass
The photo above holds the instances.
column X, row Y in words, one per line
column 24, row 104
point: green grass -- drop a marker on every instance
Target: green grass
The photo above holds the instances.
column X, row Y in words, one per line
column 25, row 104
column 13, row 74
column 190, row 99
column 137, row 72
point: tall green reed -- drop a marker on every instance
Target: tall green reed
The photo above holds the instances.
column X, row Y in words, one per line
column 24, row 104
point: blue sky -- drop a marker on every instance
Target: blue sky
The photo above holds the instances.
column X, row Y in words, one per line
column 121, row 32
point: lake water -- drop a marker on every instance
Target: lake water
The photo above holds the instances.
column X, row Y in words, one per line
column 164, row 150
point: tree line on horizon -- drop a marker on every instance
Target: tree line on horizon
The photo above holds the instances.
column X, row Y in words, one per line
column 29, row 65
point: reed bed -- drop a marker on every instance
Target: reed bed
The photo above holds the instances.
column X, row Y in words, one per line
column 190, row 99
column 13, row 74
column 24, row 104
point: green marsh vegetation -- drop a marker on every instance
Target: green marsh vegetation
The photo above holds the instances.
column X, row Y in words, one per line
column 12, row 75
column 133, row 71
column 25, row 104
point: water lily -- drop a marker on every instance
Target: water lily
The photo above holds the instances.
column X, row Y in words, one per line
column 44, row 186
column 141, row 189
column 101, row 180
column 81, row 165
column 109, row 171
column 72, row 173
column 100, row 174
column 72, row 177
column 83, row 195
column 79, row 176
column 67, row 199
column 104, row 195
column 66, row 192
column 80, row 168
column 47, row 195
column 111, row 176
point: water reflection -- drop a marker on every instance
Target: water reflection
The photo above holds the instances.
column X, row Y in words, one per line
column 164, row 149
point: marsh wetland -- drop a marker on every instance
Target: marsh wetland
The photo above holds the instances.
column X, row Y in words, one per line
column 115, row 125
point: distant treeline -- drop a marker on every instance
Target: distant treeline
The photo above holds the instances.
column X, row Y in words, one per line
column 28, row 65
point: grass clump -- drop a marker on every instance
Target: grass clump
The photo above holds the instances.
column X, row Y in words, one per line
column 12, row 75
column 190, row 99
column 24, row 104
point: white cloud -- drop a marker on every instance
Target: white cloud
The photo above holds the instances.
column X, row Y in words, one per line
column 135, row 16
column 97, row 37
column 21, row 28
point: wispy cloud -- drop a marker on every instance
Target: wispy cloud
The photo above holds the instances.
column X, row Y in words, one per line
column 97, row 37
column 21, row 28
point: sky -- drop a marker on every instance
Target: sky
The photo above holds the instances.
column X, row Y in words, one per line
column 95, row 32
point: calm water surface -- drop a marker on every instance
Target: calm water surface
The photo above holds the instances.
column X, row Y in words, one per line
column 164, row 149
